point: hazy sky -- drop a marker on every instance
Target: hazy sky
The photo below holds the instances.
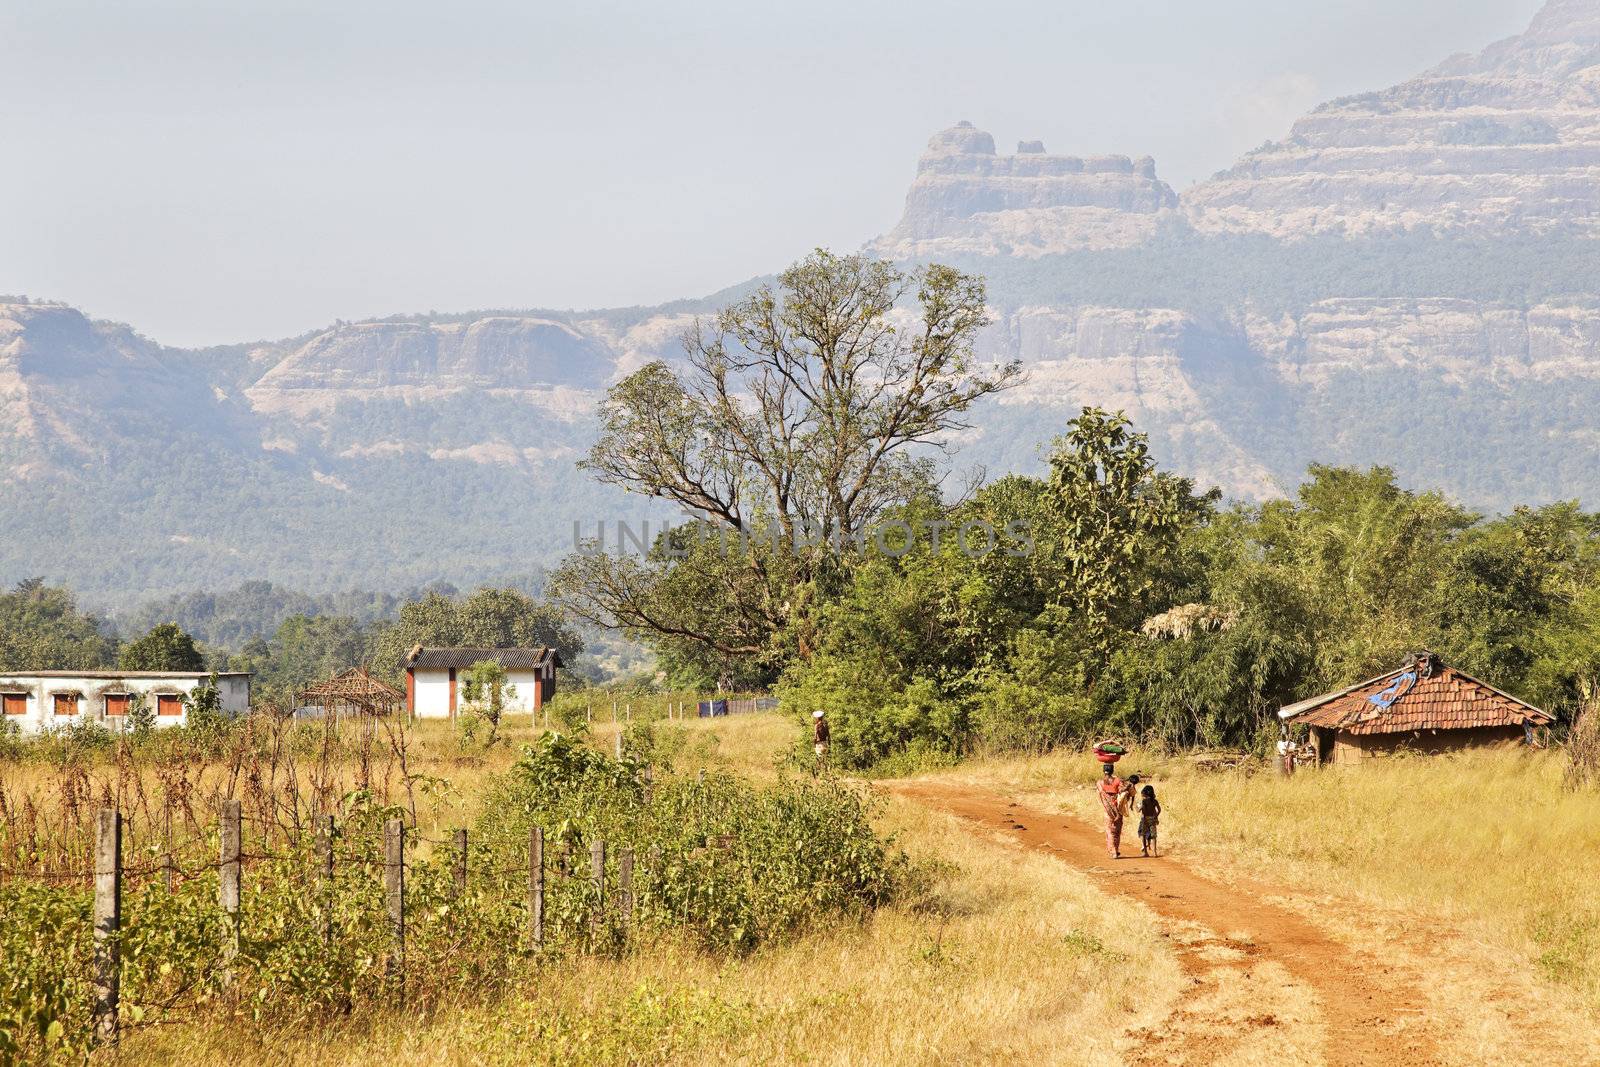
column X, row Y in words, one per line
column 217, row 171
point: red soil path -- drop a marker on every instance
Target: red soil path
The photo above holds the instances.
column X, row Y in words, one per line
column 1371, row 1013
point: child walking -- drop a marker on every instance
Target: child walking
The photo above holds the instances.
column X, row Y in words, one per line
column 1149, row 817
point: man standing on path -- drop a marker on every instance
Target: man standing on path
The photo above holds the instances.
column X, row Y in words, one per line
column 1111, row 791
column 820, row 736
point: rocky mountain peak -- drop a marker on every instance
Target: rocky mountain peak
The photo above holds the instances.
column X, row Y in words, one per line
column 1566, row 20
column 966, row 198
column 1505, row 141
column 962, row 138
column 1562, row 39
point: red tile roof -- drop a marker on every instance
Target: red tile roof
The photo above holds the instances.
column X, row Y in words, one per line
column 1446, row 700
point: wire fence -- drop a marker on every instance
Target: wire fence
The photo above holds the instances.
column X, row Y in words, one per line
column 653, row 709
column 327, row 852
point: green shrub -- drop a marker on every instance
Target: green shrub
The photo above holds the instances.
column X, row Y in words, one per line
column 870, row 721
column 47, row 945
column 733, row 864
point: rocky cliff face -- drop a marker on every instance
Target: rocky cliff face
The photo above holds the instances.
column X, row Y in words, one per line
column 1505, row 139
column 968, row 199
column 1489, row 151
column 552, row 365
column 74, row 391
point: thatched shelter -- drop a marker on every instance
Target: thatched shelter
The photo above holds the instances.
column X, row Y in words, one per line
column 1422, row 706
column 354, row 691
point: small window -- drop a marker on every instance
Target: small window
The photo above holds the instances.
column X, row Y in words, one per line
column 15, row 703
column 116, row 705
column 66, row 704
column 169, row 704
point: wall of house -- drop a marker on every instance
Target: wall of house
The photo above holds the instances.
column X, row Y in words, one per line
column 235, row 694
column 1353, row 748
column 431, row 691
column 527, row 683
column 90, row 702
column 432, row 694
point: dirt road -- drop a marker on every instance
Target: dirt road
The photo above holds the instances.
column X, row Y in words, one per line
column 1364, row 1011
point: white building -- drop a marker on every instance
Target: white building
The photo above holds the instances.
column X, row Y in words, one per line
column 433, row 685
column 42, row 700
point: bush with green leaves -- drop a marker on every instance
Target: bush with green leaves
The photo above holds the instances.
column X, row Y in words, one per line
column 734, row 864
column 141, row 716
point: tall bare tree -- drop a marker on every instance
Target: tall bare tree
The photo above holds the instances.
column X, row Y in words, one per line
column 803, row 413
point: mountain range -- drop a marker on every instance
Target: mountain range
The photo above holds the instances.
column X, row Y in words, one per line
column 1410, row 276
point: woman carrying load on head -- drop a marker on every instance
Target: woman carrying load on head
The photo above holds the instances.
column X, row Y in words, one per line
column 1114, row 794
column 1111, row 790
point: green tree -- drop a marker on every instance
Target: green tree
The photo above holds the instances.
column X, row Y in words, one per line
column 1111, row 522
column 308, row 648
column 165, row 648
column 796, row 426
column 488, row 618
column 204, row 718
column 141, row 716
column 41, row 628
column 487, row 691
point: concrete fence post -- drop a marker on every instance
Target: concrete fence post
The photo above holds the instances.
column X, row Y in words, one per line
column 107, row 922
column 394, row 881
column 536, row 886
column 169, row 874
column 229, row 869
column 625, row 886
column 325, row 874
column 597, row 872
column 461, row 863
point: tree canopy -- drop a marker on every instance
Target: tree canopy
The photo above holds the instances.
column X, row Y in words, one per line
column 165, row 647
column 804, row 414
column 487, row 618
column 41, row 628
column 1193, row 625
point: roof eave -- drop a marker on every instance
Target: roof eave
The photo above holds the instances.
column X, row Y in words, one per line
column 1289, row 711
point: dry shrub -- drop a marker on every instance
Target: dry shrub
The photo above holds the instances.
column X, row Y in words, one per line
column 1583, row 745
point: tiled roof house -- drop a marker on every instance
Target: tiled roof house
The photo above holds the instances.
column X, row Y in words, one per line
column 1422, row 706
column 432, row 682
